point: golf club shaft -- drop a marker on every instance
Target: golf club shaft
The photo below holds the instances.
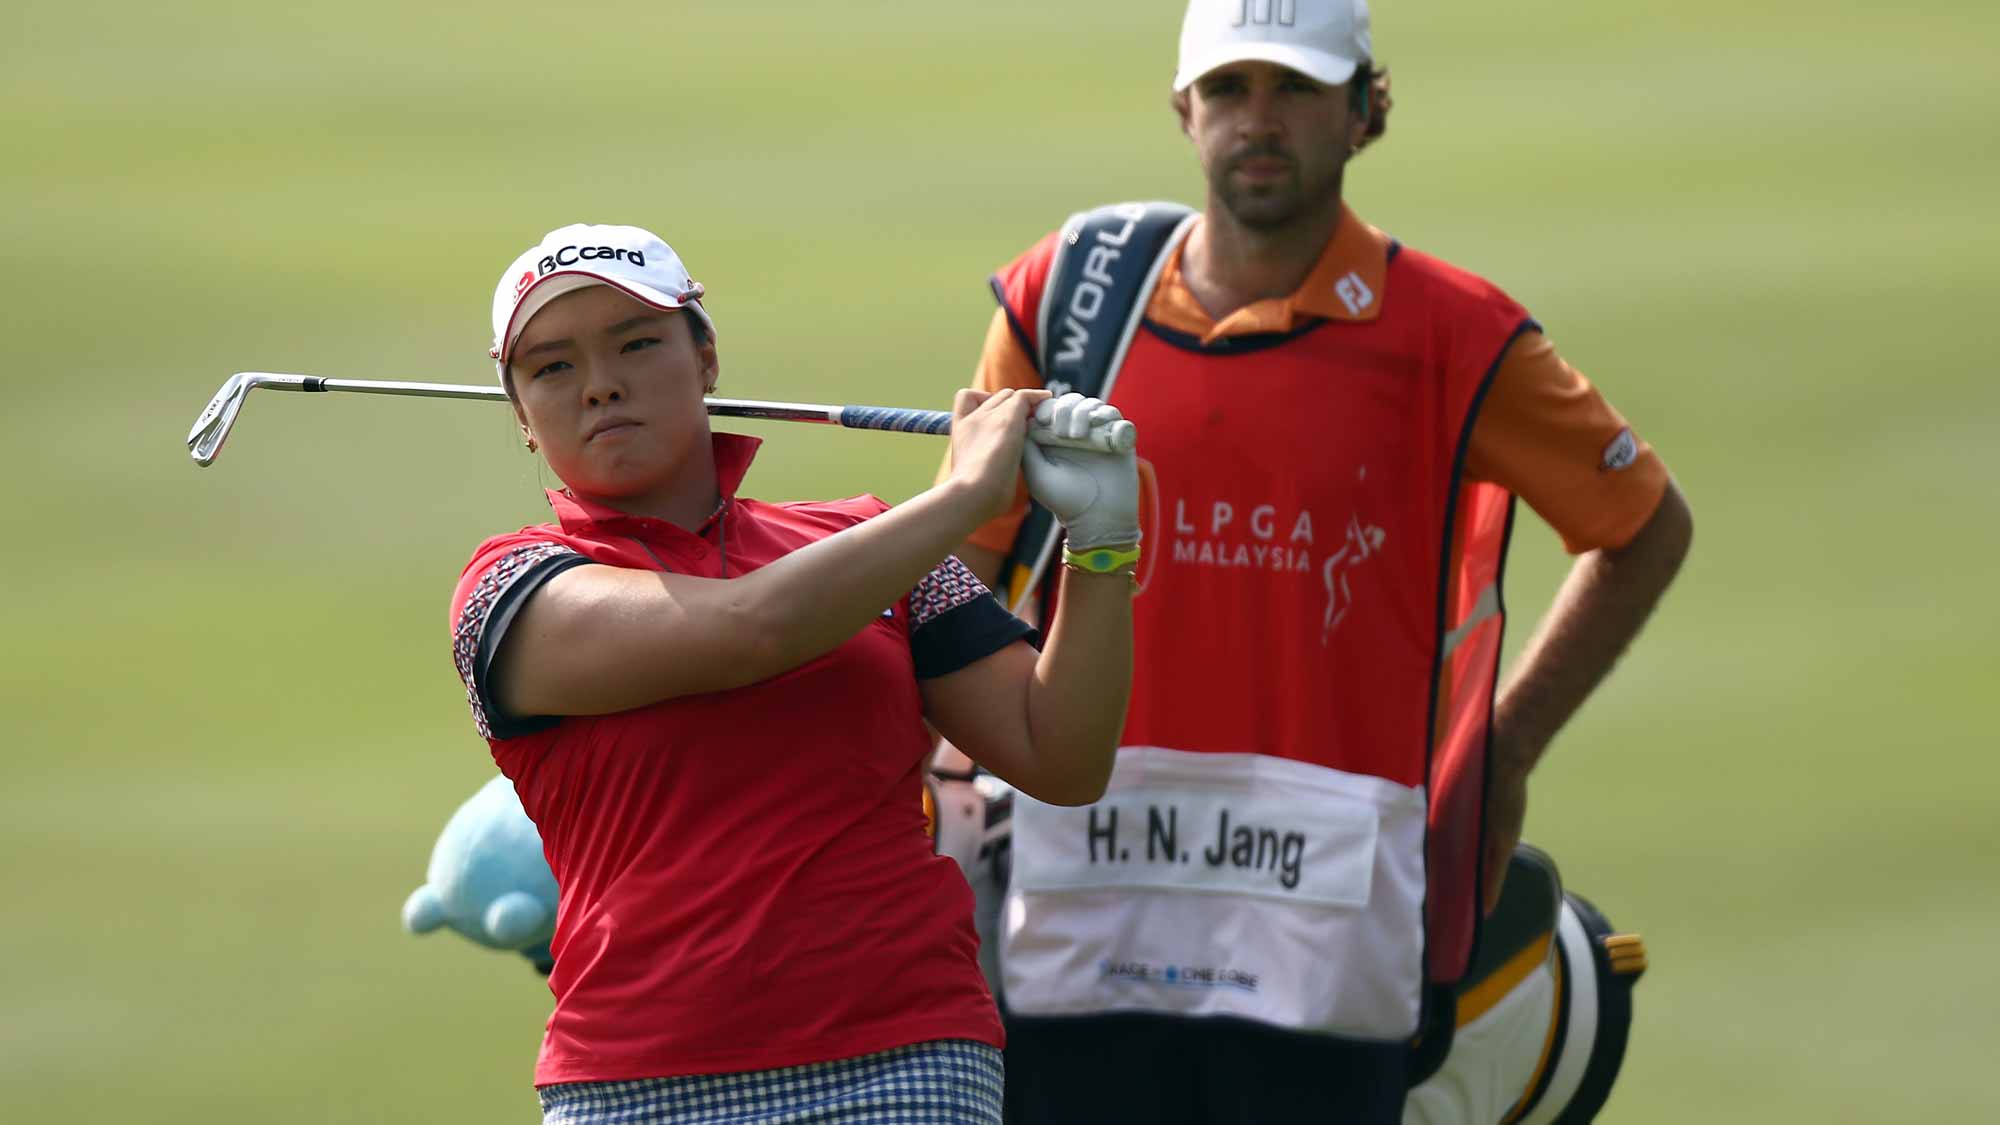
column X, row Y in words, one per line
column 205, row 440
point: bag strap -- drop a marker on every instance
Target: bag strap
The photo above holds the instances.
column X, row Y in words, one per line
column 1106, row 264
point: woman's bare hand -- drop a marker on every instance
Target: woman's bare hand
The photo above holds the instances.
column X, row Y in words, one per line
column 988, row 429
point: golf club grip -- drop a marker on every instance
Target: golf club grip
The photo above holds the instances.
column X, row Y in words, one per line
column 895, row 418
column 1116, row 438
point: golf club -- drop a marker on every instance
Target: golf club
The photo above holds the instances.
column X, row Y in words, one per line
column 212, row 427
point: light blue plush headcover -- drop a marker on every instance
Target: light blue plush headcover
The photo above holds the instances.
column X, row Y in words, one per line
column 488, row 879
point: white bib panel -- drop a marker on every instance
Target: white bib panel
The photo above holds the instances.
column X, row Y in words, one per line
column 1222, row 884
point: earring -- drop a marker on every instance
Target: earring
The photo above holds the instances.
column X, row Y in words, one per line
column 530, row 443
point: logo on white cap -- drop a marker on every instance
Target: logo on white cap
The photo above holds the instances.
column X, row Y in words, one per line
column 1322, row 39
column 634, row 261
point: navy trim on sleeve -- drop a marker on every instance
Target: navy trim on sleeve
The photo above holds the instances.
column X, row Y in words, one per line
column 505, row 607
column 964, row 635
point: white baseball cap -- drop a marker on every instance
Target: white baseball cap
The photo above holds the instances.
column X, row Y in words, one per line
column 1322, row 39
column 636, row 262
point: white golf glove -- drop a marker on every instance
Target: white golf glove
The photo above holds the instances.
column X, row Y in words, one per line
column 1094, row 495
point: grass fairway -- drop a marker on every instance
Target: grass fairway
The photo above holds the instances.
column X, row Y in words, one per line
column 230, row 720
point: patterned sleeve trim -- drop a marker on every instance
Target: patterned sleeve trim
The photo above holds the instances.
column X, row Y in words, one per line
column 949, row 585
column 489, row 610
column 955, row 622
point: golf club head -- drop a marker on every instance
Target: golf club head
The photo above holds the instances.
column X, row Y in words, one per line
column 211, row 427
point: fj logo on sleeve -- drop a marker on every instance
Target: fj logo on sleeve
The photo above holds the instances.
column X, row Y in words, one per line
column 1623, row 450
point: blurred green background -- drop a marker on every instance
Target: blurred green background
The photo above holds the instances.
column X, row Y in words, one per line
column 231, row 725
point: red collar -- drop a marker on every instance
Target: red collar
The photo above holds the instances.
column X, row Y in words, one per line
column 733, row 454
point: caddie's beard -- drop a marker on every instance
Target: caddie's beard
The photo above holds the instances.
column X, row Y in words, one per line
column 1273, row 206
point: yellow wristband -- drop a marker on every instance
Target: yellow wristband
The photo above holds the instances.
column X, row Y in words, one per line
column 1100, row 560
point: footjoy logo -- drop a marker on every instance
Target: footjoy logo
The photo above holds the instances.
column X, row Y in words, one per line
column 1354, row 293
column 571, row 255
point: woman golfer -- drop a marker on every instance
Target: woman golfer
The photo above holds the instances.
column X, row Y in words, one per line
column 714, row 710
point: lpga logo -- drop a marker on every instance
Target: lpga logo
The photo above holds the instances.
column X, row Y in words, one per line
column 1364, row 541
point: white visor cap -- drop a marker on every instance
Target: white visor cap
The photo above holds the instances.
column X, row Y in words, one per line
column 636, row 262
column 1325, row 40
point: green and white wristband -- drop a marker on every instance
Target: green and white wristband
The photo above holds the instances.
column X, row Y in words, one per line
column 1101, row 560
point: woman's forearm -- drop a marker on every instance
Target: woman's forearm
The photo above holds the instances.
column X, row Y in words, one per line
column 809, row 602
column 1080, row 687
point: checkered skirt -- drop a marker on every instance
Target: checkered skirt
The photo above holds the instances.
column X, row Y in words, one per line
column 945, row 1082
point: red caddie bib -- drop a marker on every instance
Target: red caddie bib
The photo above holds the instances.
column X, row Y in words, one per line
column 1292, row 827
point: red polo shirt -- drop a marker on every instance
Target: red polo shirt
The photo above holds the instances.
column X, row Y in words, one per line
column 746, row 880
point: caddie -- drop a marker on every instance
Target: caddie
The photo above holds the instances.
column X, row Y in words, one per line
column 1319, row 782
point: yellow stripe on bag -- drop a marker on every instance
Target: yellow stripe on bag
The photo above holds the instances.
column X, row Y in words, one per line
column 1482, row 996
column 1548, row 1046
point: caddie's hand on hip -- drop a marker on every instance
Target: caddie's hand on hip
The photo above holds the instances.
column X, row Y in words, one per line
column 1094, row 495
column 988, row 429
